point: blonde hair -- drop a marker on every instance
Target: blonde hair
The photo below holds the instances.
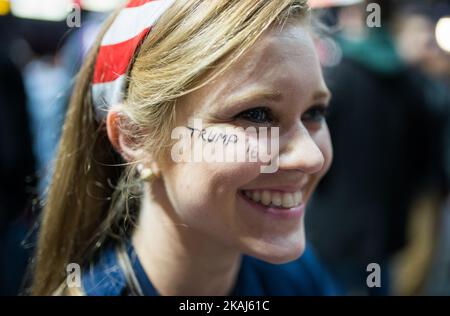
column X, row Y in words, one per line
column 87, row 199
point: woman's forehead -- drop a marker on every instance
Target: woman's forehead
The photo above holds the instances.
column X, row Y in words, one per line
column 279, row 60
column 292, row 44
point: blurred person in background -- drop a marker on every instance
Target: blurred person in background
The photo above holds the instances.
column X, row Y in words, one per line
column 388, row 137
column 415, row 27
column 16, row 166
column 47, row 83
column 49, row 78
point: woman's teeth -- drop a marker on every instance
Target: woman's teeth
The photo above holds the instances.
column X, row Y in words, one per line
column 274, row 198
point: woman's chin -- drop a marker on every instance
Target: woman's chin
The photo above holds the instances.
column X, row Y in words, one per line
column 278, row 253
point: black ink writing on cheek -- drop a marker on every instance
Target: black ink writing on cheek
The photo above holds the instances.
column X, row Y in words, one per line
column 191, row 129
column 214, row 137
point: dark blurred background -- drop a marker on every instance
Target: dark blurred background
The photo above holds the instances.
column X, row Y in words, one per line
column 386, row 198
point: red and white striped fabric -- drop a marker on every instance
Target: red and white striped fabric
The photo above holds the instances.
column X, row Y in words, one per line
column 117, row 49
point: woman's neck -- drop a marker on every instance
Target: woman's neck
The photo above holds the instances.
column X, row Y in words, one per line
column 179, row 260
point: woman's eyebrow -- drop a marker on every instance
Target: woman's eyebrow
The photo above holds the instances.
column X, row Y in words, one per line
column 254, row 94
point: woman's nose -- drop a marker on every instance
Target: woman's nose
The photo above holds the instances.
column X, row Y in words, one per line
column 300, row 152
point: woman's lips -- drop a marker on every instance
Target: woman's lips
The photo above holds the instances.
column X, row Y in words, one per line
column 276, row 203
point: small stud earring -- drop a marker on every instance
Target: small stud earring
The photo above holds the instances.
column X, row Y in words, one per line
column 145, row 174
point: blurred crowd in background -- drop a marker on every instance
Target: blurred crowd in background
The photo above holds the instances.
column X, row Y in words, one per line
column 386, row 198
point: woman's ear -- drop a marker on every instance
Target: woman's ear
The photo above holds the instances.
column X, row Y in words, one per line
column 124, row 145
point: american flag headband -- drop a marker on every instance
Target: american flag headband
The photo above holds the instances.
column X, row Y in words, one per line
column 117, row 50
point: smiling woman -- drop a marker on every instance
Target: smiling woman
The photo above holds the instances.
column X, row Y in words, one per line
column 137, row 221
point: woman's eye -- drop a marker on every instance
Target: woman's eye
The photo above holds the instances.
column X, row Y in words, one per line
column 317, row 114
column 257, row 115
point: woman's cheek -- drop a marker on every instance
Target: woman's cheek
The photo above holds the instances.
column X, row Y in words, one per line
column 198, row 184
column 233, row 154
column 204, row 195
